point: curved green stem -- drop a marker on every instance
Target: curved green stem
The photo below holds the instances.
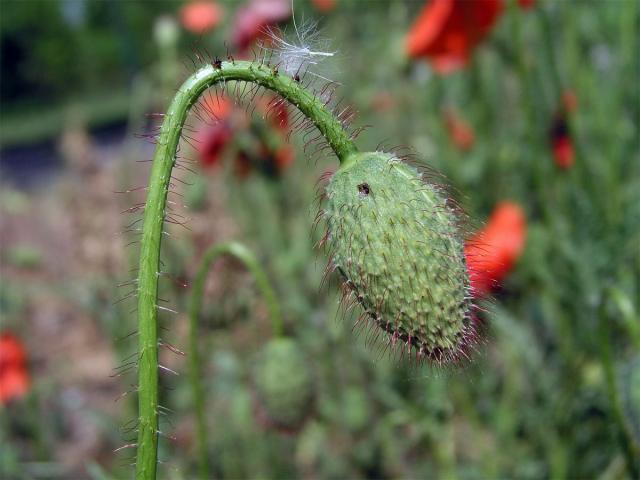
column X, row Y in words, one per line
column 154, row 214
column 244, row 255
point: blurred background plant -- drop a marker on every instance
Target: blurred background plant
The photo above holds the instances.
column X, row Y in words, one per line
column 529, row 108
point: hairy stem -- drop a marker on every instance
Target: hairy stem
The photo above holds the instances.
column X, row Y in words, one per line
column 244, row 255
column 154, row 215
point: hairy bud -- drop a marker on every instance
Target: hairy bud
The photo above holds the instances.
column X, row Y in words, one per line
column 396, row 242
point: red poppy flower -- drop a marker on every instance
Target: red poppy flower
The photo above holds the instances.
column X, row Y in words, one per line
column 493, row 252
column 211, row 142
column 561, row 141
column 14, row 378
column 201, row 16
column 447, row 31
column 324, row 5
column 526, row 4
column 252, row 20
column 264, row 147
column 563, row 152
column 460, row 131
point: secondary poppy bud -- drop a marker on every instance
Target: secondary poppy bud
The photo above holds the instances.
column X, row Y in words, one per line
column 283, row 382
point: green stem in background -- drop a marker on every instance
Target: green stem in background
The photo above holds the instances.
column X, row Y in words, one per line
column 244, row 255
column 154, row 215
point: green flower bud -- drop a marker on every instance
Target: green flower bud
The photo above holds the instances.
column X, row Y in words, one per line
column 395, row 240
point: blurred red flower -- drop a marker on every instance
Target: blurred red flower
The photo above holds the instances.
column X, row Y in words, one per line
column 324, row 5
column 212, row 139
column 460, row 131
column 201, row 16
column 526, row 4
column 447, row 31
column 263, row 147
column 211, row 142
column 563, row 151
column 14, row 378
column 253, row 19
column 493, row 251
column 560, row 136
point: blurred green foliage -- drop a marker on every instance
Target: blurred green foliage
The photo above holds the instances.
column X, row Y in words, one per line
column 550, row 392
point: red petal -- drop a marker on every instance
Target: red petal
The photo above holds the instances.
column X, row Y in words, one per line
column 563, row 152
column 492, row 252
column 14, row 383
column 447, row 31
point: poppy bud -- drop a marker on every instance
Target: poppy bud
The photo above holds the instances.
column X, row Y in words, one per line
column 395, row 240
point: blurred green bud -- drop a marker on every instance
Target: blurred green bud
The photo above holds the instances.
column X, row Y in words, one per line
column 283, row 382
